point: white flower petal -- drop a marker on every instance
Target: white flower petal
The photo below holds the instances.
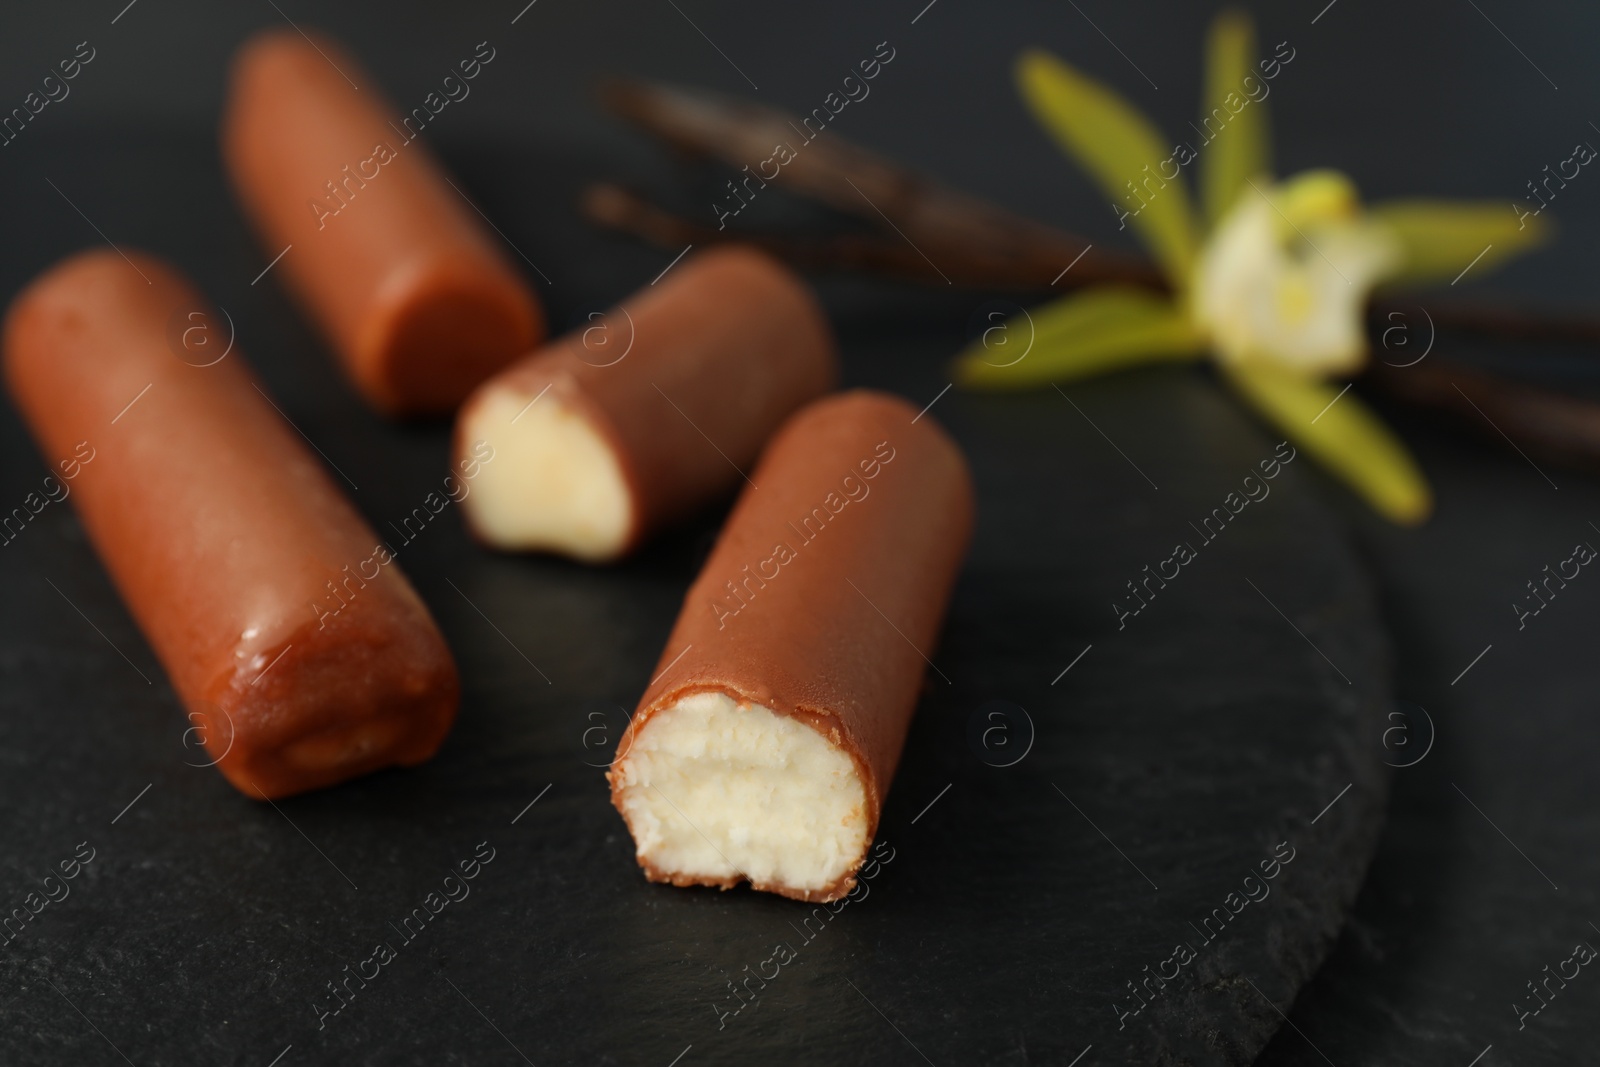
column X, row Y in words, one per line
column 1291, row 292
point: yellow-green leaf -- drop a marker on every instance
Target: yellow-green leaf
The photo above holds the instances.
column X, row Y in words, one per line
column 1121, row 150
column 1240, row 145
column 1441, row 238
column 1342, row 434
column 1087, row 333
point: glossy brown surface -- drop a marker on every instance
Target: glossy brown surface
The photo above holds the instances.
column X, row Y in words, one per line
column 827, row 587
column 302, row 655
column 689, row 377
column 397, row 268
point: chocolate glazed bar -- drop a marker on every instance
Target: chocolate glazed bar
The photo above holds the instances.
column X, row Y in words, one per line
column 765, row 747
column 224, row 534
column 649, row 412
column 407, row 283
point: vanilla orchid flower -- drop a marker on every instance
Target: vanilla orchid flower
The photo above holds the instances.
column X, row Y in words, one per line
column 1286, row 274
column 1275, row 292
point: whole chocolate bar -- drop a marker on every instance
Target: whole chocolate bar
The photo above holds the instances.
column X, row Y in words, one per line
column 404, row 278
column 225, row 536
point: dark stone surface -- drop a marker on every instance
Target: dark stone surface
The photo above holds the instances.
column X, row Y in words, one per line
column 1007, row 922
column 1487, row 871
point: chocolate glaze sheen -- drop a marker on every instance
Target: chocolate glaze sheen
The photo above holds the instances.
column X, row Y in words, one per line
column 222, row 532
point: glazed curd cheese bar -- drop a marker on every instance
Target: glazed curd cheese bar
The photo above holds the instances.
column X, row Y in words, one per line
column 404, row 277
column 641, row 415
column 765, row 747
column 223, row 533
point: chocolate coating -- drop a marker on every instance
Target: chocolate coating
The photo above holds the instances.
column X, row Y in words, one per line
column 222, row 532
column 395, row 266
column 828, row 586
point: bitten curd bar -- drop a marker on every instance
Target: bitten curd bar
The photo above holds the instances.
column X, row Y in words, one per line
column 765, row 747
column 647, row 412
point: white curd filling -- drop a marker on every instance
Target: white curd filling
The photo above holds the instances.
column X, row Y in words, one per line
column 555, row 484
column 714, row 789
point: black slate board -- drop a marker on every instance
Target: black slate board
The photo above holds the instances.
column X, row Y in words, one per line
column 1178, row 752
column 1487, row 872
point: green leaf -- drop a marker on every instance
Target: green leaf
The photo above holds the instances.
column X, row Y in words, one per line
column 1240, row 146
column 1115, row 143
column 1441, row 238
column 1342, row 434
column 1093, row 331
